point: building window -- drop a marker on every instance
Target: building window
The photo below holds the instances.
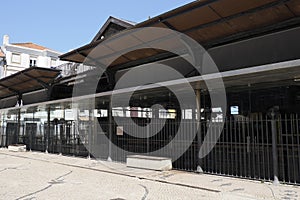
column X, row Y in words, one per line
column 32, row 62
column 16, row 58
column 53, row 62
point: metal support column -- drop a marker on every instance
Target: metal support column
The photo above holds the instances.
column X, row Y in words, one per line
column 19, row 126
column 110, row 130
column 90, row 132
column 199, row 137
column 48, row 129
column 148, row 132
column 274, row 146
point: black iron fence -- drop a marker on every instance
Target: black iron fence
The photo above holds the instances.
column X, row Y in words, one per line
column 244, row 148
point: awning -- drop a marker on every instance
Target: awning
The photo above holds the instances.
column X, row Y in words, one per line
column 28, row 80
column 257, row 77
column 209, row 22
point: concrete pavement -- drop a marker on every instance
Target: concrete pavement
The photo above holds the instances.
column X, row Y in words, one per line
column 35, row 175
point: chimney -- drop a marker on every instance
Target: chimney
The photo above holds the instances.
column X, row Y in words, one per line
column 5, row 39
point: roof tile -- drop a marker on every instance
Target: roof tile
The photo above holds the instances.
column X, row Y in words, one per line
column 30, row 45
column 1, row 54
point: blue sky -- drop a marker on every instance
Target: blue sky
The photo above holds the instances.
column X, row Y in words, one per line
column 67, row 24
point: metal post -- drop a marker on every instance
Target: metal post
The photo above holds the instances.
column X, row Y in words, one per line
column 2, row 134
column 110, row 130
column 56, row 133
column 148, row 134
column 199, row 142
column 19, row 125
column 33, row 142
column 48, row 129
column 90, row 133
column 274, row 147
column 58, row 127
column 30, row 135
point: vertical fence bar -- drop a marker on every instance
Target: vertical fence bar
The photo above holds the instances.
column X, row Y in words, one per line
column 2, row 130
column 263, row 144
column 268, row 146
column 249, row 147
column 231, row 148
column 148, row 134
column 257, row 149
column 236, row 148
column 226, row 158
column 292, row 146
column 223, row 150
column 245, row 147
column 274, row 147
column 215, row 155
column 282, row 149
column 298, row 147
column 287, row 147
column 253, row 149
column 242, row 146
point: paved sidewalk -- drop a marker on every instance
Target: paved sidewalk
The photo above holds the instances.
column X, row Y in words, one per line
column 35, row 175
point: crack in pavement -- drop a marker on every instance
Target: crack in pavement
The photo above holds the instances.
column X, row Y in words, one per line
column 51, row 183
column 8, row 168
column 60, row 178
column 146, row 192
column 225, row 184
column 30, row 198
column 30, row 194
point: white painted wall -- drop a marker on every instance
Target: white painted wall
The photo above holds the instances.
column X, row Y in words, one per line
column 43, row 58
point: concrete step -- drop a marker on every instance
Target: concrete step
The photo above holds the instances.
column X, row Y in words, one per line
column 149, row 162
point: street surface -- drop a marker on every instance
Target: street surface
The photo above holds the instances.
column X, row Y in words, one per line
column 33, row 175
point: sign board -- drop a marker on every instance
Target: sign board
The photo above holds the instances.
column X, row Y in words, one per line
column 69, row 114
column 234, row 110
column 120, row 130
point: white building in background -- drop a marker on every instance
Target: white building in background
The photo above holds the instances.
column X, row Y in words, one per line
column 15, row 57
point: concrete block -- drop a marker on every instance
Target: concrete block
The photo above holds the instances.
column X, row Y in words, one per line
column 149, row 162
column 17, row 147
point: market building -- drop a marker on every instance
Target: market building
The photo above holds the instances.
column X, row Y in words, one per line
column 255, row 46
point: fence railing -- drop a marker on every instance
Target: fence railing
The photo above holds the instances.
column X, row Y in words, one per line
column 244, row 149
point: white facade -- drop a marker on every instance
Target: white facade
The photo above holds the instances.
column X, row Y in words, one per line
column 19, row 57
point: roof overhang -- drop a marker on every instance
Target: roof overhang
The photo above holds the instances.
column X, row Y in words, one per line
column 27, row 80
column 275, row 74
column 209, row 22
